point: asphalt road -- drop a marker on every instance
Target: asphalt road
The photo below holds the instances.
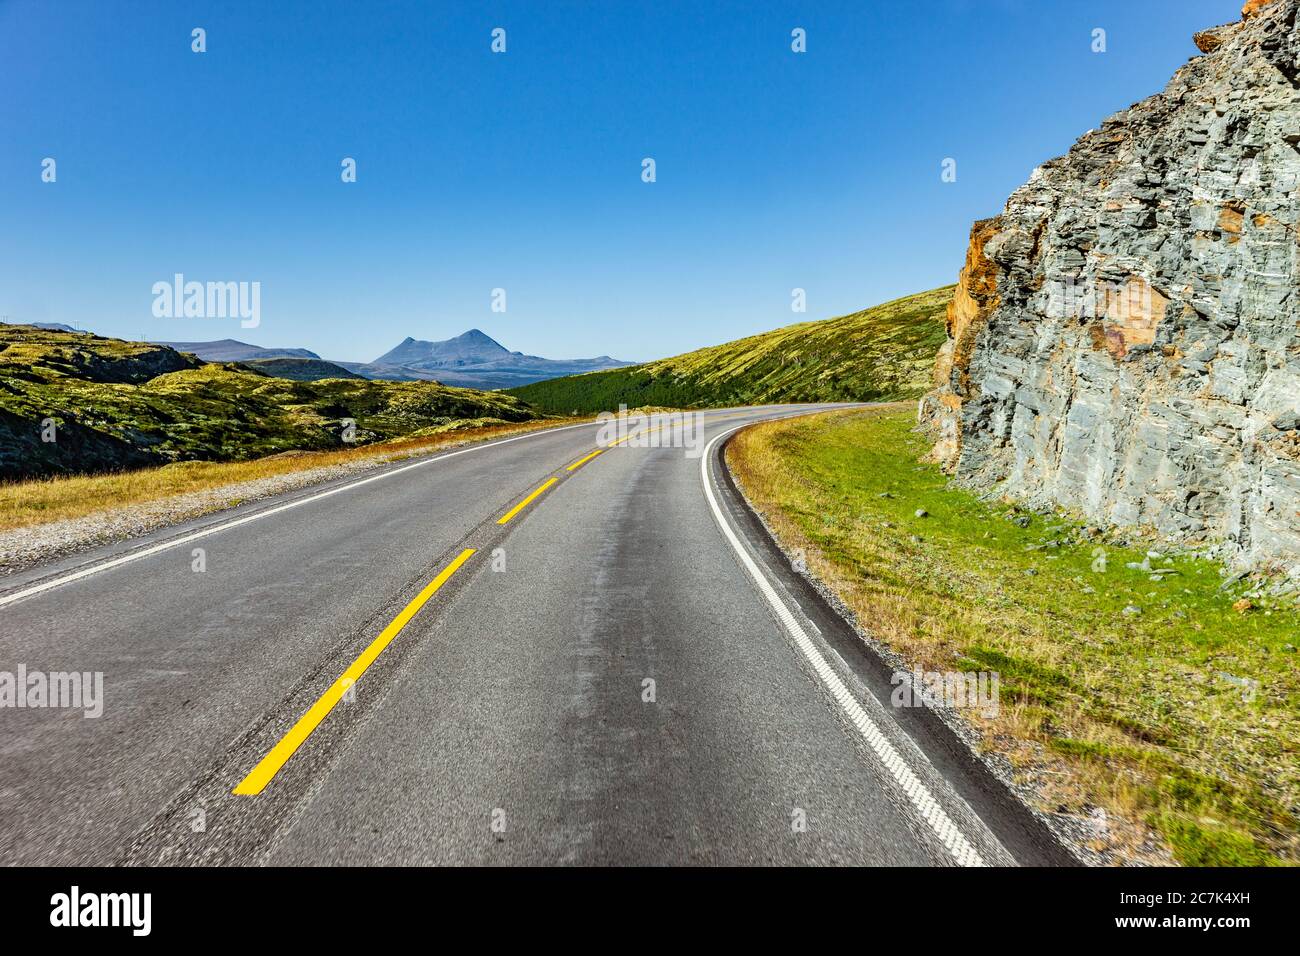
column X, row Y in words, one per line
column 623, row 671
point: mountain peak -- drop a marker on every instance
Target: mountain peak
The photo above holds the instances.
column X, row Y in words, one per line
column 469, row 348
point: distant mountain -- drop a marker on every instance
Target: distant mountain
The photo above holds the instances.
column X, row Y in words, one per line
column 473, row 360
column 389, row 373
column 300, row 369
column 880, row 354
column 48, row 326
column 120, row 404
column 468, row 348
column 470, row 360
column 231, row 350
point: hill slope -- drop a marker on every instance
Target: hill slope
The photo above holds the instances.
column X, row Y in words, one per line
column 232, row 350
column 882, row 353
column 300, row 369
column 118, row 404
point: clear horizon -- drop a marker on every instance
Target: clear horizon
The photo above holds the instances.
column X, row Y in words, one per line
column 522, row 170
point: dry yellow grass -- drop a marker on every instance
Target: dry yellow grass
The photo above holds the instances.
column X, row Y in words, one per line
column 27, row 503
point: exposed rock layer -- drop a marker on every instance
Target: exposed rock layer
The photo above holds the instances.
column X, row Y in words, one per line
column 1126, row 336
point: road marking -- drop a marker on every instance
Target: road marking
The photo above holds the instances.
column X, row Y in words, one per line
column 582, row 461
column 225, row 526
column 644, row 431
column 524, row 504
column 916, row 791
column 96, row 568
column 270, row 765
column 618, row 441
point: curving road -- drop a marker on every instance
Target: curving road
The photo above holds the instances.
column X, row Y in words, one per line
column 413, row 668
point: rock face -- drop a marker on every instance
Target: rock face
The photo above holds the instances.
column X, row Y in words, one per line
column 1125, row 340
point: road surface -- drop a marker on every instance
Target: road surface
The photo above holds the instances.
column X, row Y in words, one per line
column 515, row 653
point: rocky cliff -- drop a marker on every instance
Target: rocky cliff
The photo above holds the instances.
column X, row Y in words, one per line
column 1125, row 339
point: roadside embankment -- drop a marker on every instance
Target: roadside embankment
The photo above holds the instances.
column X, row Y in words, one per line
column 1144, row 695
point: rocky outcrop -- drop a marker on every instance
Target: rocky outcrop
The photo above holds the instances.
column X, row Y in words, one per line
column 1125, row 340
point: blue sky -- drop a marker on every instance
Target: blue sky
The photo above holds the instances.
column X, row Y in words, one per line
column 522, row 170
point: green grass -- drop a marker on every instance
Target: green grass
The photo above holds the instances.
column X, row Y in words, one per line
column 880, row 354
column 1143, row 715
column 118, row 405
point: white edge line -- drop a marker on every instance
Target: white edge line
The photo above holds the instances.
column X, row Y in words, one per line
column 225, row 526
column 927, row 807
column 215, row 529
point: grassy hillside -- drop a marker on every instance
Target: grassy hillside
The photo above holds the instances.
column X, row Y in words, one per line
column 300, row 369
column 119, row 404
column 1136, row 693
column 879, row 354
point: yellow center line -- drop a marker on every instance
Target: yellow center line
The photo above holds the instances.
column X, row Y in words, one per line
column 270, row 765
column 582, row 461
column 618, row 441
column 524, row 504
column 643, row 431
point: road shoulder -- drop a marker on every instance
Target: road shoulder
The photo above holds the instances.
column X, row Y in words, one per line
column 941, row 735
